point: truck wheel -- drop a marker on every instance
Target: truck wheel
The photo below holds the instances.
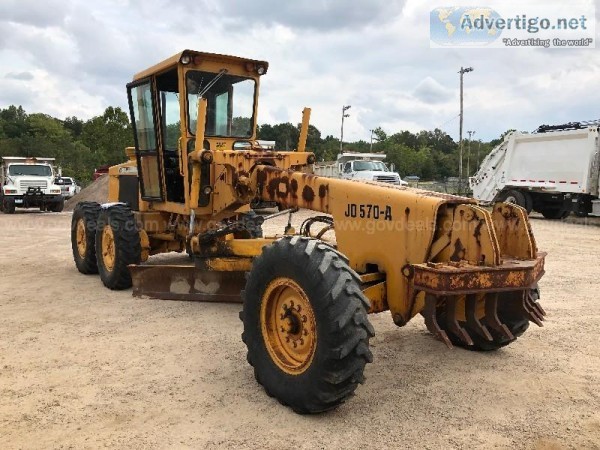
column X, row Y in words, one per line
column 117, row 246
column 83, row 236
column 57, row 206
column 515, row 321
column 9, row 205
column 305, row 325
column 528, row 202
column 518, row 198
column 554, row 213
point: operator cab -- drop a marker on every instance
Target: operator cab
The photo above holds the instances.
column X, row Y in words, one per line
column 163, row 102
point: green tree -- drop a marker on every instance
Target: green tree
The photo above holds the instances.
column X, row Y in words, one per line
column 108, row 135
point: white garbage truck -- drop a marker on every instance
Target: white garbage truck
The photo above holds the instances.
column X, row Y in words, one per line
column 359, row 166
column 29, row 183
column 554, row 171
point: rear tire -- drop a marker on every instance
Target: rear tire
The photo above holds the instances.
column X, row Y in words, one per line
column 554, row 213
column 328, row 322
column 117, row 246
column 83, row 236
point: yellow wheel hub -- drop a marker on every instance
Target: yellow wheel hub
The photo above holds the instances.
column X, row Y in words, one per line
column 80, row 235
column 288, row 326
column 108, row 248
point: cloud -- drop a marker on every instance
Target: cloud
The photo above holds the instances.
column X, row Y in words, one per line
column 24, row 76
column 321, row 15
column 373, row 55
column 430, row 91
column 31, row 12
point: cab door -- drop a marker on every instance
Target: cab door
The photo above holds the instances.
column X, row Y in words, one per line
column 143, row 120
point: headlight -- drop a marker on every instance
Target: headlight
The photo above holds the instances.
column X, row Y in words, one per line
column 8, row 190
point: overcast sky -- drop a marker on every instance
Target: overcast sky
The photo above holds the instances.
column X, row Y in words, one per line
column 74, row 57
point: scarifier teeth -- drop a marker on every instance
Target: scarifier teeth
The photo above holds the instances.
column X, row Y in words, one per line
column 535, row 305
column 472, row 320
column 530, row 307
column 431, row 321
column 452, row 323
column 491, row 317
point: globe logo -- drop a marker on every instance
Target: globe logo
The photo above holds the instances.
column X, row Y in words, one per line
column 463, row 26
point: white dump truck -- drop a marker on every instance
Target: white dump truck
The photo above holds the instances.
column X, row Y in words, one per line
column 554, row 171
column 29, row 183
column 359, row 166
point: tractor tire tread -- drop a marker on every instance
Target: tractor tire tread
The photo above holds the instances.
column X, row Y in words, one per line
column 345, row 339
column 128, row 248
column 89, row 212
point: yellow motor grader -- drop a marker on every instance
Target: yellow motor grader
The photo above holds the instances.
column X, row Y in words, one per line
column 471, row 273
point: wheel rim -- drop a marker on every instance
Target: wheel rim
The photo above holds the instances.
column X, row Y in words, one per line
column 288, row 326
column 81, row 238
column 108, row 248
column 511, row 199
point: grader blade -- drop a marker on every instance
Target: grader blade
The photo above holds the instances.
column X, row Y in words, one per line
column 182, row 282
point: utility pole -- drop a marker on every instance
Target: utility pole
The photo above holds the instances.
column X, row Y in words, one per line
column 462, row 71
column 471, row 133
column 344, row 109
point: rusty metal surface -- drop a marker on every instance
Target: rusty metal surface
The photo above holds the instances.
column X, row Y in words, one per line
column 513, row 231
column 446, row 279
column 377, row 295
column 183, row 282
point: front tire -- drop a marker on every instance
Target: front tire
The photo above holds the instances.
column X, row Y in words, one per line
column 9, row 205
column 522, row 199
column 57, row 206
column 117, row 246
column 83, row 236
column 305, row 325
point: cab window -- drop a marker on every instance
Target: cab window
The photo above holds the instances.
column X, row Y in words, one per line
column 230, row 103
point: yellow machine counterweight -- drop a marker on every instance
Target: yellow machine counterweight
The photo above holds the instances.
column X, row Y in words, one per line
column 196, row 166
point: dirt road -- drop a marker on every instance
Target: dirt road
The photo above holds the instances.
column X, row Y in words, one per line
column 81, row 366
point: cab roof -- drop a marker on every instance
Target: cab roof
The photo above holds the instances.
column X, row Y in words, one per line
column 175, row 59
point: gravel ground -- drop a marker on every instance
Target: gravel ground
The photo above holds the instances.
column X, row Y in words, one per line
column 81, row 366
